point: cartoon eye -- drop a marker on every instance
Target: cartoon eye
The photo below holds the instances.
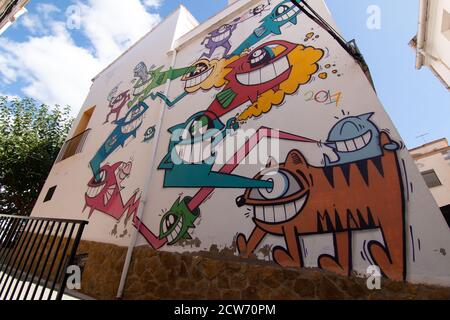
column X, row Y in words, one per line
column 261, row 56
column 281, row 10
column 284, row 185
column 280, row 185
column 199, row 68
column 102, row 179
column 132, row 115
column 257, row 53
column 169, row 222
column 200, row 126
column 222, row 29
column 125, row 170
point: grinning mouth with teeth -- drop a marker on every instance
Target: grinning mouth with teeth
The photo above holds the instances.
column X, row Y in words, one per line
column 354, row 144
column 133, row 119
column 265, row 74
column 94, row 189
column 196, row 152
column 176, row 223
column 195, row 79
column 197, row 140
column 286, row 12
column 274, row 214
column 108, row 195
column 281, row 203
column 222, row 36
column 172, row 226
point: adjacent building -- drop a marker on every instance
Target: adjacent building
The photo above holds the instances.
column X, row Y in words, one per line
column 432, row 42
column 10, row 10
column 254, row 135
column 433, row 161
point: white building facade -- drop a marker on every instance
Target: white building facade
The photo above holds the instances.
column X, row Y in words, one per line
column 433, row 161
column 433, row 39
column 254, row 132
column 10, row 11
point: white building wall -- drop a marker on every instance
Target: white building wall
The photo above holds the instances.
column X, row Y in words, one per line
column 437, row 41
column 324, row 96
column 440, row 163
column 72, row 175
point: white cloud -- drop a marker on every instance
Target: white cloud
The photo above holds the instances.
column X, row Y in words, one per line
column 57, row 71
column 153, row 3
column 34, row 24
column 38, row 23
column 7, row 67
column 113, row 26
column 46, row 9
column 53, row 68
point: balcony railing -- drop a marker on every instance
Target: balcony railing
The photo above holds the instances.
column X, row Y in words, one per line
column 34, row 256
column 73, row 146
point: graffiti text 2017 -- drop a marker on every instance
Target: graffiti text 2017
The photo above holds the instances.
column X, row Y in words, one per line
column 324, row 96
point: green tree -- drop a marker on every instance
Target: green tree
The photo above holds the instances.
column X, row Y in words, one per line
column 31, row 136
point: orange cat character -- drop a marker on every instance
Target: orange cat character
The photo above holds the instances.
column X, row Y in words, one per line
column 308, row 200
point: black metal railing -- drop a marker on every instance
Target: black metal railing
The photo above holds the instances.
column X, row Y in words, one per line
column 34, row 256
column 73, row 146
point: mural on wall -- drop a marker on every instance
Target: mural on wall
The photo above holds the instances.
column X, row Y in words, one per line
column 204, row 75
column 116, row 104
column 220, row 38
column 104, row 194
column 190, row 207
column 309, row 200
column 125, row 129
column 148, row 79
column 298, row 198
column 355, row 139
column 191, row 155
column 269, row 73
column 149, row 134
column 260, row 9
column 284, row 13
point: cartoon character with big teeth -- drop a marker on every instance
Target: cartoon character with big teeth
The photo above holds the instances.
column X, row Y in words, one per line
column 104, row 195
column 284, row 13
column 356, row 139
column 258, row 10
column 204, row 75
column 116, row 105
column 263, row 69
column 126, row 127
column 149, row 80
column 191, row 155
column 264, row 76
column 219, row 38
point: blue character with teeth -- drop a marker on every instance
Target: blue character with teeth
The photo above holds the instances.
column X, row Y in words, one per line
column 125, row 128
column 191, row 156
column 355, row 139
column 284, row 13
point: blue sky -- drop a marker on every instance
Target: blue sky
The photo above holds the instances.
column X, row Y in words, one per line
column 43, row 58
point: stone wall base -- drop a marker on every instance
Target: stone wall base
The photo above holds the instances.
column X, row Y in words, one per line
column 163, row 275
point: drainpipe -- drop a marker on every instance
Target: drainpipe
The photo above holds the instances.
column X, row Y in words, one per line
column 435, row 59
column 141, row 210
column 421, row 34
